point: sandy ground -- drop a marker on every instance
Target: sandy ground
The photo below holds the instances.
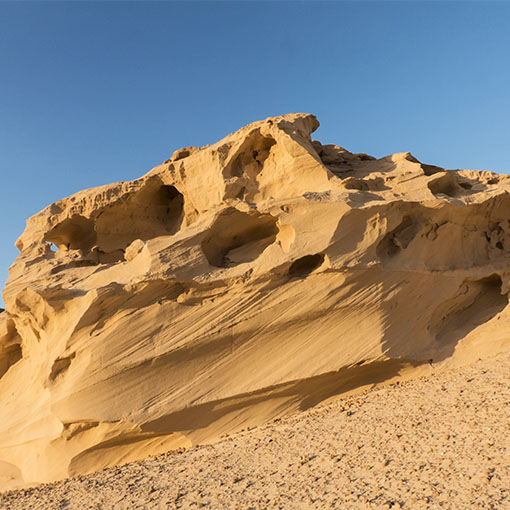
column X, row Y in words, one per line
column 436, row 442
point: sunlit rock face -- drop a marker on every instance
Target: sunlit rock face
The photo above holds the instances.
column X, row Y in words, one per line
column 236, row 283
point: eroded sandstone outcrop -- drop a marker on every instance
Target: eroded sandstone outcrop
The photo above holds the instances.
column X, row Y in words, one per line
column 236, row 283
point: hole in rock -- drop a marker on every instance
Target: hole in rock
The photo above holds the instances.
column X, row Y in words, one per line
column 398, row 239
column 60, row 365
column 155, row 210
column 75, row 233
column 375, row 184
column 10, row 347
column 237, row 237
column 475, row 303
column 358, row 184
column 446, row 185
column 305, row 265
column 250, row 156
column 431, row 169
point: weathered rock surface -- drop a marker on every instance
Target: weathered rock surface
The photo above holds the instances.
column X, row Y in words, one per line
column 234, row 284
column 431, row 443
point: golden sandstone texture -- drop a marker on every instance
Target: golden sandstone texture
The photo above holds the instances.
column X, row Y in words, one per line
column 237, row 283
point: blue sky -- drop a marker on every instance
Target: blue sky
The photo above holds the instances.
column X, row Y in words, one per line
column 92, row 93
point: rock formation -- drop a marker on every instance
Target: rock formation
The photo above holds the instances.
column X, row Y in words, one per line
column 236, row 283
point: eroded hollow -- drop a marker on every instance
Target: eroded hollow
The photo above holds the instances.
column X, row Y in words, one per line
column 10, row 347
column 398, row 239
column 357, row 184
column 374, row 184
column 446, row 185
column 60, row 366
column 250, row 157
column 475, row 303
column 237, row 237
column 74, row 233
column 9, row 356
column 305, row 265
column 154, row 210
column 431, row 169
column 246, row 164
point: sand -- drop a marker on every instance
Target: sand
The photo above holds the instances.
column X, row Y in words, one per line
column 440, row 441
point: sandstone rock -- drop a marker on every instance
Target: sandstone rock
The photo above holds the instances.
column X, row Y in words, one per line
column 237, row 283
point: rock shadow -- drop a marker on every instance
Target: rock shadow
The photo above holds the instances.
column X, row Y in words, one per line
column 236, row 237
column 154, row 210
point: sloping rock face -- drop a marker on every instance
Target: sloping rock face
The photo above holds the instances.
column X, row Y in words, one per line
column 236, row 283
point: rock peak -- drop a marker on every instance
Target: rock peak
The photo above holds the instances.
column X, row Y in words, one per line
column 235, row 283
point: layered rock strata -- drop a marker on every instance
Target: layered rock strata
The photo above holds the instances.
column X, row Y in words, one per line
column 236, row 283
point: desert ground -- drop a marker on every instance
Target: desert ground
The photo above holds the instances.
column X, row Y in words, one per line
column 439, row 441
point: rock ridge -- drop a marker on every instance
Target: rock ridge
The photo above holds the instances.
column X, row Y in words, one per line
column 234, row 284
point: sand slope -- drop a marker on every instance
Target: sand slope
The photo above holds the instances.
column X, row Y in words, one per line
column 237, row 283
column 436, row 442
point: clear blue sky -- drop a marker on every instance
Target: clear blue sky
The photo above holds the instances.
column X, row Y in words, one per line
column 92, row 93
